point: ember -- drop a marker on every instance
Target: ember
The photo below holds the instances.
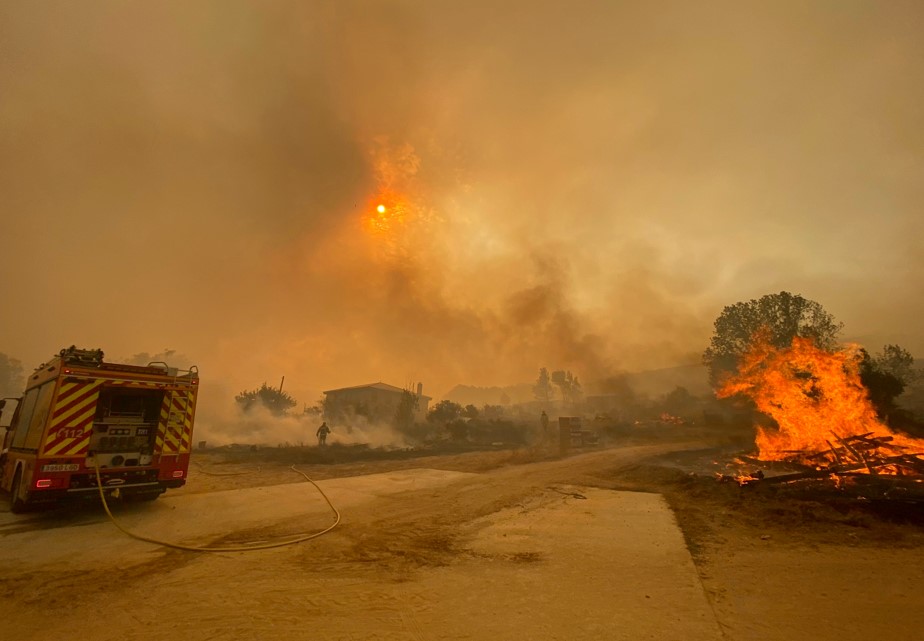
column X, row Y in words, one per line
column 825, row 423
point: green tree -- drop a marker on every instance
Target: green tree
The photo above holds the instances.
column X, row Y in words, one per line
column 784, row 315
column 11, row 380
column 275, row 400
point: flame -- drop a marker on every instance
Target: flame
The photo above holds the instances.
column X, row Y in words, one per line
column 815, row 397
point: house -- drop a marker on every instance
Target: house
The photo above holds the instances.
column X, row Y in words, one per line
column 377, row 402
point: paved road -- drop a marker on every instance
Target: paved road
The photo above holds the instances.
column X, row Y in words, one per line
column 421, row 554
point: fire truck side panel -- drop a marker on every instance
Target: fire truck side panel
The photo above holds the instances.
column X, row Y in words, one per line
column 174, row 435
column 174, row 432
column 71, row 424
column 28, row 428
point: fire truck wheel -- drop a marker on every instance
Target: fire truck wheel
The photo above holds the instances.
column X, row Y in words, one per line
column 17, row 504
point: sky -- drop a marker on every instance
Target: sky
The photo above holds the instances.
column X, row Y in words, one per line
column 573, row 185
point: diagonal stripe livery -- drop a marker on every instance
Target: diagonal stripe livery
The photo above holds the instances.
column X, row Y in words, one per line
column 72, row 418
column 174, row 430
column 85, row 426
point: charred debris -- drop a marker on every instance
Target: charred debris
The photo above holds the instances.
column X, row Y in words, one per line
column 871, row 465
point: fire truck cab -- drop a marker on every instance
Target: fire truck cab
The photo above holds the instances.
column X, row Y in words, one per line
column 80, row 415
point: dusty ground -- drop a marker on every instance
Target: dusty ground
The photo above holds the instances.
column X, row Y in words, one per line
column 774, row 563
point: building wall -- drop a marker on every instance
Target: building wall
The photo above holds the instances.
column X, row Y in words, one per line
column 377, row 405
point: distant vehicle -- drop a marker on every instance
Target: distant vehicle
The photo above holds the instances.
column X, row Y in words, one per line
column 80, row 415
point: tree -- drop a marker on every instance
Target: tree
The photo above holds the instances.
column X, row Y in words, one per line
column 784, row 316
column 444, row 412
column 407, row 408
column 679, row 402
column 568, row 384
column 275, row 400
column 11, row 381
column 886, row 375
column 898, row 362
column 542, row 390
column 449, row 414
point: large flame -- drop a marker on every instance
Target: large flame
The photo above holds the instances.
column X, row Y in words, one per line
column 815, row 397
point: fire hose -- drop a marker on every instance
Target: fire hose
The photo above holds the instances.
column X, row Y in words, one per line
column 298, row 538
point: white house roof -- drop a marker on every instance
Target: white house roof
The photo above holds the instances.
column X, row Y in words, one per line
column 379, row 386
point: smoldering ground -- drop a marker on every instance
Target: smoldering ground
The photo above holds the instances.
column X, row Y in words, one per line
column 580, row 187
column 220, row 423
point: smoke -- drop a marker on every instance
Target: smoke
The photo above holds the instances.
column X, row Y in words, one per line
column 577, row 187
column 219, row 422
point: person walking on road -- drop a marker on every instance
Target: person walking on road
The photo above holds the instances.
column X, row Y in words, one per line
column 323, row 431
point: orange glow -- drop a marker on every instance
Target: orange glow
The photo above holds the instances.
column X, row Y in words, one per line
column 387, row 214
column 816, row 399
column 387, row 220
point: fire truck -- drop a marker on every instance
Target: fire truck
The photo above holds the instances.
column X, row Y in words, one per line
column 83, row 423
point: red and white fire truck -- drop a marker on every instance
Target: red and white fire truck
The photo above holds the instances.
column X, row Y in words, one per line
column 80, row 416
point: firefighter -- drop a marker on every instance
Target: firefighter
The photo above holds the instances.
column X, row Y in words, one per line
column 544, row 422
column 322, row 433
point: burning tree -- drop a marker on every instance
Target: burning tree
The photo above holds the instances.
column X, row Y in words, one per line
column 821, row 412
column 782, row 317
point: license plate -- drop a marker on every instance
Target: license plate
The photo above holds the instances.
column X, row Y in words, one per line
column 61, row 467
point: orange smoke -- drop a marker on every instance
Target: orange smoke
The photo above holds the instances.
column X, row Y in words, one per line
column 387, row 213
column 393, row 217
column 815, row 397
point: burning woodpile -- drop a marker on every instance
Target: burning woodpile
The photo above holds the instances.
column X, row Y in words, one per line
column 863, row 455
column 824, row 424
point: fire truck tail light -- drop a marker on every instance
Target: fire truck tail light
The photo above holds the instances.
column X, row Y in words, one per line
column 177, row 474
column 44, row 484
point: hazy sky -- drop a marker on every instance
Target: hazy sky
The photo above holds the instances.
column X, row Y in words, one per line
column 577, row 185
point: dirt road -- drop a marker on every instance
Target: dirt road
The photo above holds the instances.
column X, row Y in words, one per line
column 461, row 560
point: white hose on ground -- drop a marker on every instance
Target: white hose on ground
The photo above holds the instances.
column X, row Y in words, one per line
column 234, row 548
